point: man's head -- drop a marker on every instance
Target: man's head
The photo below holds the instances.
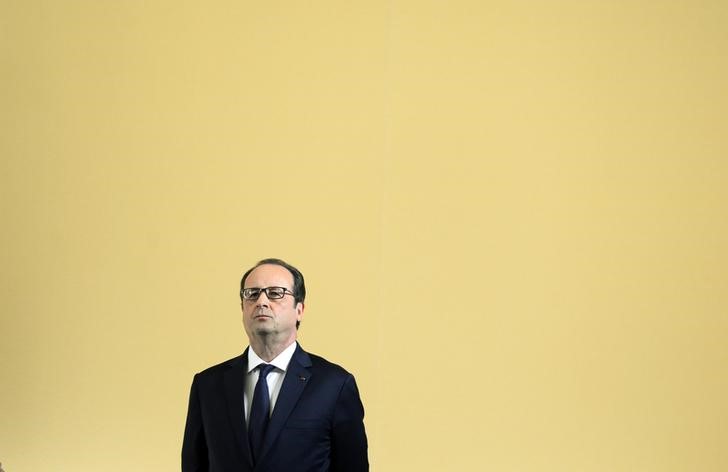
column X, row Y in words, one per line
column 272, row 294
column 299, row 287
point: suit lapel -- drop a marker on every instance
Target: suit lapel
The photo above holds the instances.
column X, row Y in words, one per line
column 295, row 381
column 234, row 395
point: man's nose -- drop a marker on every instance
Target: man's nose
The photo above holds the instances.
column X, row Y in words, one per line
column 263, row 299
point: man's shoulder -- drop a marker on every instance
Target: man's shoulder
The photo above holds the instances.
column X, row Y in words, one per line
column 222, row 367
column 322, row 364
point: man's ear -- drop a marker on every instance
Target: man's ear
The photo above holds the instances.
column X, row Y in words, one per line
column 300, row 306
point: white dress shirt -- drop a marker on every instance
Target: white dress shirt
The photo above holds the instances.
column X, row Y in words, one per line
column 274, row 378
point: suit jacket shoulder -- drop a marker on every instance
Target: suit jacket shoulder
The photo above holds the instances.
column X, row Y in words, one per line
column 236, row 361
column 327, row 367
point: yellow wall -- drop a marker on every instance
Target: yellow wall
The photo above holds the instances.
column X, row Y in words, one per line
column 529, row 199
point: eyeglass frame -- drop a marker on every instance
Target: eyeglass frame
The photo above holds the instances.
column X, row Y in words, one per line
column 264, row 290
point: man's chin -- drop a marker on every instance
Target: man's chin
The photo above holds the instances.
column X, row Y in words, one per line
column 263, row 331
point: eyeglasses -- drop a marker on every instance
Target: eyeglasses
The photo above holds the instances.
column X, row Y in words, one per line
column 273, row 293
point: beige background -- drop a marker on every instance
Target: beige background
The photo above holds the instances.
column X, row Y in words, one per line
column 528, row 199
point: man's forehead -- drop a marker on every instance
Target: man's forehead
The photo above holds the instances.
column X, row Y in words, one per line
column 267, row 273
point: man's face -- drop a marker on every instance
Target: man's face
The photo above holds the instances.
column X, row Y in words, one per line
column 264, row 317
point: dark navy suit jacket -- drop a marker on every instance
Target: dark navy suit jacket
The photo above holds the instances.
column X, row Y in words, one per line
column 316, row 426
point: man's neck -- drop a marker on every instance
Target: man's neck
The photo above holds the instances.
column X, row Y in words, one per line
column 268, row 348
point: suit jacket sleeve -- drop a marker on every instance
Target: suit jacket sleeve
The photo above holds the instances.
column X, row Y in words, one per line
column 194, row 446
column 349, row 440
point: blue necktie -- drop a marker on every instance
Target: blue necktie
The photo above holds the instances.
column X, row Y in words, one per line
column 259, row 411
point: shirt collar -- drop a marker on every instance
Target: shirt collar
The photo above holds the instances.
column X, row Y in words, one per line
column 280, row 362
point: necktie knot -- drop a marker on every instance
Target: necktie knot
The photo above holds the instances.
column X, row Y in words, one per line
column 264, row 370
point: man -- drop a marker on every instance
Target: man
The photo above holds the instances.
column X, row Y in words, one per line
column 275, row 408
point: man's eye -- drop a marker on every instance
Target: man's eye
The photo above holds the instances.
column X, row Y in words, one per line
column 276, row 292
